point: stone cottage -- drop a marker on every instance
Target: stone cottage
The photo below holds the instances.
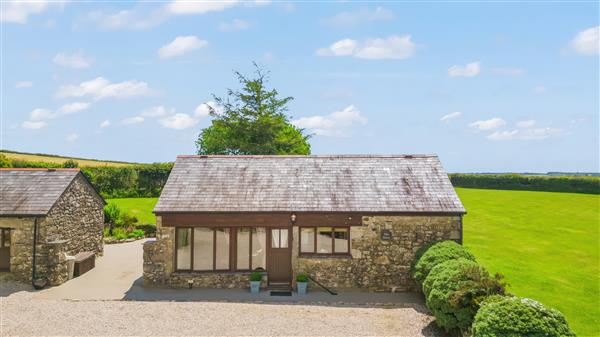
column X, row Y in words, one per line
column 58, row 210
column 347, row 221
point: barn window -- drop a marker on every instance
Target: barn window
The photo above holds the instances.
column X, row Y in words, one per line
column 325, row 240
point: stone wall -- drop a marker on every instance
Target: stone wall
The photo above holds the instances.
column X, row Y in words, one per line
column 73, row 225
column 376, row 264
column 159, row 266
column 77, row 217
column 21, row 250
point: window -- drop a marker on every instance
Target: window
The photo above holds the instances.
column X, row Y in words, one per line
column 220, row 249
column 279, row 238
column 4, row 237
column 325, row 240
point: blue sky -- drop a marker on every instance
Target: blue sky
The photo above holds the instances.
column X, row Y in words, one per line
column 486, row 86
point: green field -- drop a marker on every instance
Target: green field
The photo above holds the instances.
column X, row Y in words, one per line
column 54, row 159
column 544, row 243
column 140, row 207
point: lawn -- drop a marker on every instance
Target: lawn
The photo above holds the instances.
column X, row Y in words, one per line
column 141, row 208
column 48, row 158
column 544, row 243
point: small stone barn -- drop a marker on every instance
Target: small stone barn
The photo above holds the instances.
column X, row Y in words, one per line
column 348, row 221
column 61, row 207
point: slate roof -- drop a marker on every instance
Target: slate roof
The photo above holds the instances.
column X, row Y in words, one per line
column 393, row 183
column 32, row 192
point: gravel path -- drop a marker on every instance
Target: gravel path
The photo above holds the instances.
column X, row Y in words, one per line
column 23, row 315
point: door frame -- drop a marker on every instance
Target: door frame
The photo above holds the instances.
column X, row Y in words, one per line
column 270, row 257
column 3, row 233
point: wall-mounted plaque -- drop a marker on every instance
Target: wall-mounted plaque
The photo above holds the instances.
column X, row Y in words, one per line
column 386, row 235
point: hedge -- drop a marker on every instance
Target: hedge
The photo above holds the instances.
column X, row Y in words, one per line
column 517, row 317
column 137, row 181
column 571, row 184
column 454, row 290
column 439, row 252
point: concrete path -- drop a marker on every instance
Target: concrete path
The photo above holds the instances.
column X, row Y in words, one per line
column 113, row 276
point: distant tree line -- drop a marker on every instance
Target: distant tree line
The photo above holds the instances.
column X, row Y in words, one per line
column 571, row 184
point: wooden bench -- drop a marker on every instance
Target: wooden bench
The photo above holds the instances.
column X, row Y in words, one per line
column 84, row 261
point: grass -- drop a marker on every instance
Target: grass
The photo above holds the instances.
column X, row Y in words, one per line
column 49, row 158
column 544, row 243
column 141, row 208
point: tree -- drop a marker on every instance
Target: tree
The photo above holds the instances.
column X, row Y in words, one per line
column 252, row 120
column 70, row 164
column 4, row 161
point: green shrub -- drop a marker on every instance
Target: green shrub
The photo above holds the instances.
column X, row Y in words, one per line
column 516, row 317
column 301, row 278
column 455, row 289
column 70, row 163
column 256, row 276
column 4, row 161
column 126, row 220
column 137, row 233
column 438, row 252
column 112, row 213
column 119, row 233
column 149, row 229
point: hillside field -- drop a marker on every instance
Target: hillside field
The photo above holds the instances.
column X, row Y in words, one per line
column 45, row 158
column 544, row 243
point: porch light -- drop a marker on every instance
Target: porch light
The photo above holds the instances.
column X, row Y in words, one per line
column 293, row 218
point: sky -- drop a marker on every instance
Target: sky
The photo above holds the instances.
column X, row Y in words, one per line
column 487, row 86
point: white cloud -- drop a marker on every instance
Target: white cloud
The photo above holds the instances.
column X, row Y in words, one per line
column 41, row 114
column 393, row 47
column 132, row 120
column 489, row 124
column 469, row 70
column 72, row 137
column 157, row 111
column 180, row 45
column 336, row 124
column 586, row 41
column 182, row 7
column 33, row 125
column 76, row 60
column 182, row 121
column 72, row 108
column 101, row 88
column 233, row 25
column 24, row 84
column 134, row 19
column 178, row 121
column 538, row 89
column 508, row 71
column 19, row 11
column 451, row 116
column 526, row 124
column 364, row 15
column 105, row 124
column 526, row 134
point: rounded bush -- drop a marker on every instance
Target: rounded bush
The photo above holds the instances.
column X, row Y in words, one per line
column 454, row 290
column 515, row 317
column 439, row 252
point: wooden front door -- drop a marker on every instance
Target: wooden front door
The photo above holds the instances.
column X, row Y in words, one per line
column 280, row 255
column 4, row 249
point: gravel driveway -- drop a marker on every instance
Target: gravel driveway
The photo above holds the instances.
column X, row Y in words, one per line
column 23, row 315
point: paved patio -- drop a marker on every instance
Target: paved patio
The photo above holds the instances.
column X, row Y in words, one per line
column 118, row 276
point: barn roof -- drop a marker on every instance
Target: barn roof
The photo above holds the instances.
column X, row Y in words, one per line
column 390, row 183
column 32, row 192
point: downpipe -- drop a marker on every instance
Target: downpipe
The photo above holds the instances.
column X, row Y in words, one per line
column 38, row 284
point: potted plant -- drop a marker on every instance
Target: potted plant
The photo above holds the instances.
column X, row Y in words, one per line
column 301, row 283
column 255, row 280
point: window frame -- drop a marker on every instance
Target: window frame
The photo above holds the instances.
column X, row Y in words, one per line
column 314, row 253
column 233, row 250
